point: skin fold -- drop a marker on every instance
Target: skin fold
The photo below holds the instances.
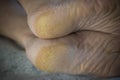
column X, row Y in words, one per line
column 83, row 38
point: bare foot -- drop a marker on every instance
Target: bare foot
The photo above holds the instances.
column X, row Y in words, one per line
column 83, row 52
column 52, row 19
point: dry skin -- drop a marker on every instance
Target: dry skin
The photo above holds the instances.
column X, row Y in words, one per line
column 85, row 34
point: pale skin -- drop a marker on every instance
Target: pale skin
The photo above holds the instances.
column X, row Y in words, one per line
column 91, row 49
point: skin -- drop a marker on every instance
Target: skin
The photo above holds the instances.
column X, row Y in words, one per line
column 92, row 49
column 52, row 19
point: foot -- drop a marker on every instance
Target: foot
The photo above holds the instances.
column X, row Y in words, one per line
column 84, row 52
column 53, row 19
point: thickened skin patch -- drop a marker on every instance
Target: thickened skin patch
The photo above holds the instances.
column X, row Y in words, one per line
column 49, row 56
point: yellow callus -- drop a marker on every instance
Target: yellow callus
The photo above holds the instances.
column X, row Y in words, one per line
column 49, row 55
column 50, row 25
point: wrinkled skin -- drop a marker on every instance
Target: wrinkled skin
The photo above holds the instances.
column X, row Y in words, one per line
column 67, row 36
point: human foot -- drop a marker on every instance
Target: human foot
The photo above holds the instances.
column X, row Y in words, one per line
column 57, row 18
column 83, row 52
